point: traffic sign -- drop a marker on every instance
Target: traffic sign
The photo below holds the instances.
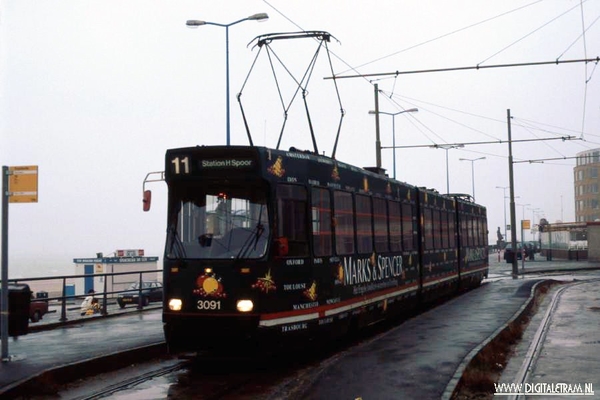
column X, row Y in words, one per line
column 23, row 184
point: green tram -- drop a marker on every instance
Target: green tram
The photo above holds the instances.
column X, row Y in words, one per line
column 267, row 244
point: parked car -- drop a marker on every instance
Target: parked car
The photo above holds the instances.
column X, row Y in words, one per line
column 151, row 292
column 509, row 254
column 37, row 309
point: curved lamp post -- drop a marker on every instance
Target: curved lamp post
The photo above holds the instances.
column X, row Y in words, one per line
column 394, row 129
column 193, row 23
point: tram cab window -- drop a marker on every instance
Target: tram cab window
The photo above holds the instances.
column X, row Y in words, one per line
column 209, row 222
column 292, row 218
column 321, row 222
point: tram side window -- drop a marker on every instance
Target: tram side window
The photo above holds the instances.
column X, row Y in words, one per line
column 428, row 227
column 464, row 237
column 381, row 225
column 451, row 230
column 481, row 231
column 291, row 216
column 344, row 222
column 470, row 231
column 321, row 222
column 484, row 231
column 395, row 218
column 408, row 229
column 444, row 229
column 437, row 229
column 364, row 224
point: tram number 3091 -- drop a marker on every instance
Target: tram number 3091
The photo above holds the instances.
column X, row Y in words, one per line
column 208, row 305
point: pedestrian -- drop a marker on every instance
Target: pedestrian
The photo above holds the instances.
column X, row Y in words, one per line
column 531, row 251
column 89, row 304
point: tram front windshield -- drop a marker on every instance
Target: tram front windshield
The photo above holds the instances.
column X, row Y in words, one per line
column 217, row 223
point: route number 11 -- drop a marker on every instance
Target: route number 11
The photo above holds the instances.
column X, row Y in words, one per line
column 179, row 163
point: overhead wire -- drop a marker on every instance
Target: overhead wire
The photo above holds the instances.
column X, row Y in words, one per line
column 418, row 103
column 442, row 36
column 392, row 94
column 418, row 124
column 529, row 34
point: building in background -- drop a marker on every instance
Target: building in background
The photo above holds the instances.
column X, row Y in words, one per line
column 587, row 183
column 122, row 264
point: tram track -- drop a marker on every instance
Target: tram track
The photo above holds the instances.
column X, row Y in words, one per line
column 535, row 348
column 134, row 381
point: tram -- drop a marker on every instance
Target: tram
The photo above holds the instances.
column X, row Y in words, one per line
column 269, row 245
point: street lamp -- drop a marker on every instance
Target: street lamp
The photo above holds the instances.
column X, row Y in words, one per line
column 447, row 147
column 192, row 23
column 394, row 128
column 472, row 170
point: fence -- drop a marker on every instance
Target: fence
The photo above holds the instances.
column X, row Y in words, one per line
column 63, row 297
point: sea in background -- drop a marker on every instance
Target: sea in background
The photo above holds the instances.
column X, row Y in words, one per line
column 39, row 267
column 29, row 267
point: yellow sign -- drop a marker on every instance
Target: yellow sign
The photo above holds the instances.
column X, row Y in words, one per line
column 525, row 224
column 23, row 184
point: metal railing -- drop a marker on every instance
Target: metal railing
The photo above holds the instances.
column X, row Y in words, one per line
column 105, row 294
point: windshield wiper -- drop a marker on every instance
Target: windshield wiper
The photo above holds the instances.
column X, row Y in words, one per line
column 251, row 242
column 176, row 249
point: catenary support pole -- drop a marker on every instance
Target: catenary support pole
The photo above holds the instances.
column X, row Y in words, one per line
column 513, row 218
column 4, row 309
column 377, row 137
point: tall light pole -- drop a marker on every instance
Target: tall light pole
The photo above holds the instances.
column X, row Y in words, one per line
column 394, row 129
column 447, row 147
column 193, row 23
column 472, row 170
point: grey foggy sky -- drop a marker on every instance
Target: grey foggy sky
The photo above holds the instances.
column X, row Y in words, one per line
column 95, row 92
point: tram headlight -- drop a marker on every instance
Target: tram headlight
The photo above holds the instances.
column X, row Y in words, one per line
column 245, row 305
column 175, row 304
